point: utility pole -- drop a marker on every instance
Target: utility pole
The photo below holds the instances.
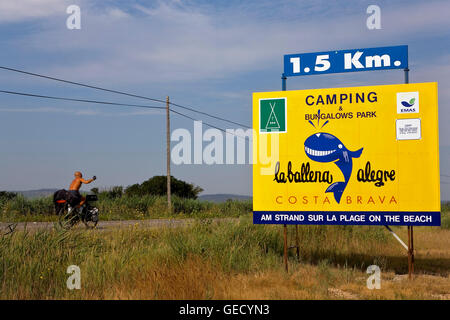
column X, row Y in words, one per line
column 169, row 201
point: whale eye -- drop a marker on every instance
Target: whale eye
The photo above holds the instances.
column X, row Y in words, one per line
column 340, row 146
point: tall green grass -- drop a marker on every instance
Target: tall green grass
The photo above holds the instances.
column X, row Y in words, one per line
column 445, row 215
column 125, row 207
column 34, row 264
column 22, row 209
column 146, row 207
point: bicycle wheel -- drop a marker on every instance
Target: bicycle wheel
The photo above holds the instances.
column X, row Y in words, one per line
column 90, row 217
column 68, row 220
column 89, row 223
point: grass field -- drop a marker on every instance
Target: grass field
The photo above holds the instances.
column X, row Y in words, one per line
column 223, row 260
column 21, row 209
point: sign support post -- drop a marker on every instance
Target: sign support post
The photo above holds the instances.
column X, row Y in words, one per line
column 283, row 88
column 297, row 246
column 410, row 252
column 285, row 248
column 410, row 227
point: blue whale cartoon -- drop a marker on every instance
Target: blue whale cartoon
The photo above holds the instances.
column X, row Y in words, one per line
column 324, row 147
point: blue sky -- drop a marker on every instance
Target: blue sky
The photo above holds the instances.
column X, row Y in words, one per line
column 207, row 54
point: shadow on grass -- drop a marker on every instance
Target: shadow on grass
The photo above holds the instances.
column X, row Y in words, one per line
column 396, row 264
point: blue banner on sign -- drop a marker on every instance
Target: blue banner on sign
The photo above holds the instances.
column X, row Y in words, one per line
column 352, row 60
column 348, row 218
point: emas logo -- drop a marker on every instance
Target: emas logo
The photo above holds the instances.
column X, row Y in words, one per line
column 407, row 102
column 325, row 147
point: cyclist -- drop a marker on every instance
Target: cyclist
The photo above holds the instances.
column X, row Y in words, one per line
column 75, row 186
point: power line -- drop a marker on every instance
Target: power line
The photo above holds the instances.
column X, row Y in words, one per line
column 209, row 115
column 79, row 84
column 109, row 103
column 118, row 92
column 209, row 125
column 79, row 100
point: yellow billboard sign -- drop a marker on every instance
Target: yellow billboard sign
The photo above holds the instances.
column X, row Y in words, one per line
column 356, row 155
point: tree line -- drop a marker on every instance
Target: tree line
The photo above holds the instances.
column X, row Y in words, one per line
column 156, row 185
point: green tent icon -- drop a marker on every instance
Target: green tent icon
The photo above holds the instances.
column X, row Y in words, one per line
column 272, row 122
column 272, row 114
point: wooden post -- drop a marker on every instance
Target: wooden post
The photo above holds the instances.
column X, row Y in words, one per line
column 169, row 201
column 285, row 249
column 410, row 252
column 297, row 243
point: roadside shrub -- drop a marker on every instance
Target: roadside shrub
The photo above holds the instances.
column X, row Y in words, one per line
column 21, row 206
column 6, row 195
column 157, row 185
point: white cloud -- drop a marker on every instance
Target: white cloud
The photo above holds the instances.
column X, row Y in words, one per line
column 178, row 43
column 117, row 13
column 19, row 10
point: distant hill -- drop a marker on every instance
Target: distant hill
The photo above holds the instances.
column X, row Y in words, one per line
column 29, row 194
column 222, row 197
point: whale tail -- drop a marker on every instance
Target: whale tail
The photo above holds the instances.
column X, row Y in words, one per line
column 338, row 189
column 357, row 153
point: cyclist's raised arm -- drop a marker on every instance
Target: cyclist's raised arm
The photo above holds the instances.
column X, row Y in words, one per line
column 87, row 181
